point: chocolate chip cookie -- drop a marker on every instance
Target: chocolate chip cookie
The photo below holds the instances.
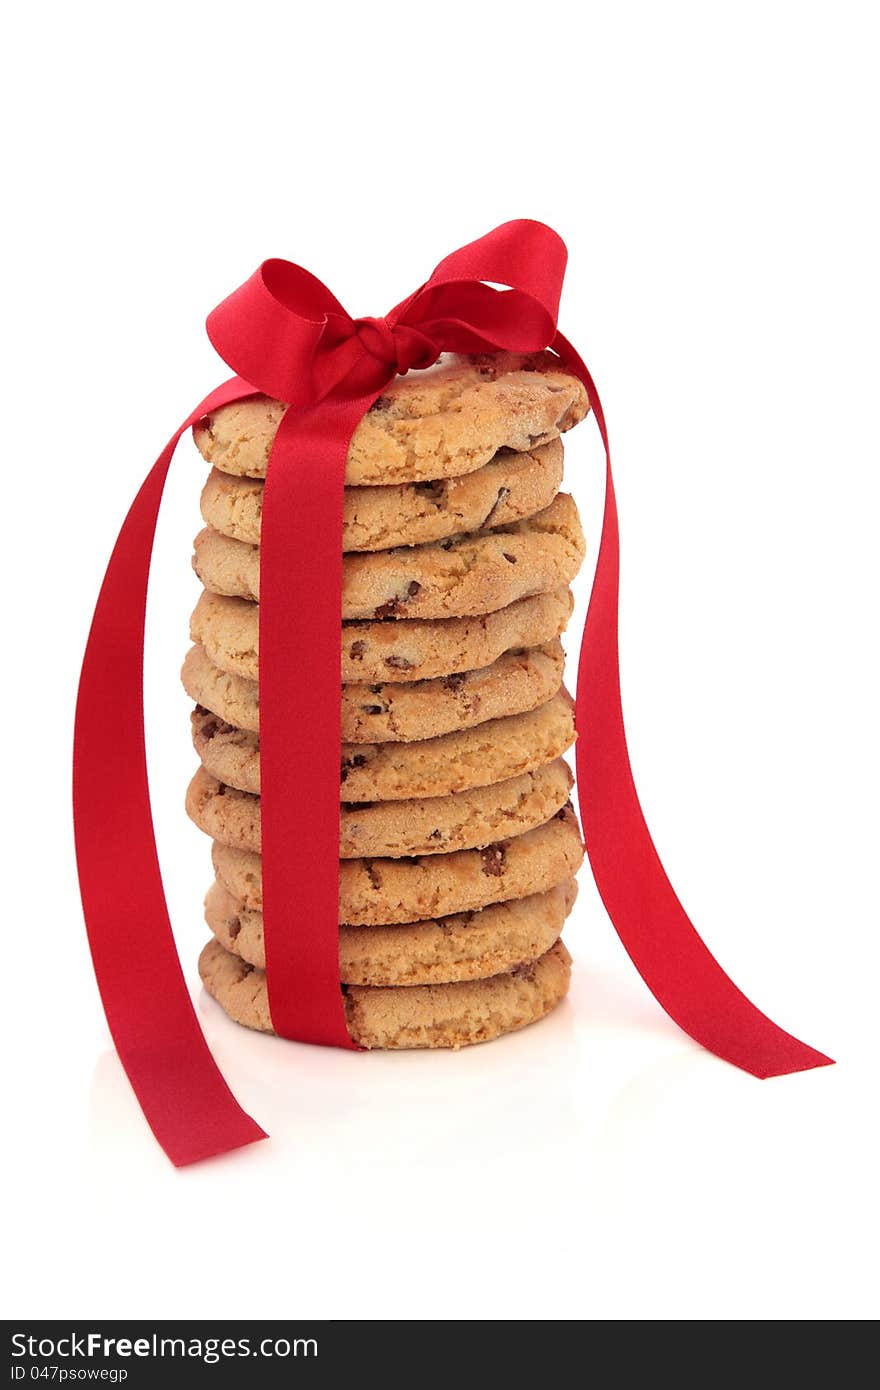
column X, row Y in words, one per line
column 439, row 423
column 393, row 650
column 507, row 489
column 469, row 946
column 489, row 752
column 382, row 712
column 459, row 577
column 397, row 829
column 376, row 892
column 451, row 1015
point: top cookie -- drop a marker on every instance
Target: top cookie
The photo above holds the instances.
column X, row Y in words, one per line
column 439, row 423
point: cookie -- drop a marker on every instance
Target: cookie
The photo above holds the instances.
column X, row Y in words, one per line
column 232, row 698
column 375, row 892
column 451, row 1015
column 393, row 650
column 490, row 752
column 439, row 423
column 395, row 829
column 382, row 713
column 470, row 946
column 507, row 489
column 459, row 577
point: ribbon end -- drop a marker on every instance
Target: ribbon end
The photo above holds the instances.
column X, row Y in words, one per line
column 196, row 1149
column 807, row 1059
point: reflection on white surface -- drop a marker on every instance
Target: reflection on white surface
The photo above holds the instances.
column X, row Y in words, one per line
column 402, row 1108
column 548, row 1174
column 532, row 1091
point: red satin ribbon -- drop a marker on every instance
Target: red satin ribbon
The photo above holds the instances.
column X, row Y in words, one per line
column 188, row 1105
column 287, row 336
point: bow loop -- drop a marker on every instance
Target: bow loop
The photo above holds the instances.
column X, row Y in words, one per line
column 525, row 255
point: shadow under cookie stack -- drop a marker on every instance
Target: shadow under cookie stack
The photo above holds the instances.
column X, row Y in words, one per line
column 458, row 843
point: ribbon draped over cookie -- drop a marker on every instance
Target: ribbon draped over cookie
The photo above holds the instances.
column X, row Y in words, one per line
column 285, row 335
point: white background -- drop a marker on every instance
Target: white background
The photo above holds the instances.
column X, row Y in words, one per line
column 713, row 170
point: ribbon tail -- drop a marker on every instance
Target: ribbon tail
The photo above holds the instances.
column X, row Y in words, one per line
column 185, row 1099
column 665, row 947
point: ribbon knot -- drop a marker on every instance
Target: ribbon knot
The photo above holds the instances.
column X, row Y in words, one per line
column 398, row 346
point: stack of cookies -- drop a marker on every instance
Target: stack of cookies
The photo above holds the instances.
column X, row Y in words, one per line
column 458, row 844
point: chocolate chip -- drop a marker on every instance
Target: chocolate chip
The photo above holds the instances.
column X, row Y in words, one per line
column 376, row 689
column 502, row 496
column 381, row 403
column 525, row 971
column 233, row 927
column 455, row 681
column 211, row 726
column 493, row 860
column 388, row 610
column 447, row 545
column 206, row 423
column 392, row 608
column 371, row 709
column 511, row 559
column 436, row 835
column 356, row 760
column 356, row 651
column 564, row 811
column 399, row 663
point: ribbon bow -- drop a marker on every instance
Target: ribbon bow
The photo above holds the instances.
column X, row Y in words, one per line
column 284, row 331
column 287, row 336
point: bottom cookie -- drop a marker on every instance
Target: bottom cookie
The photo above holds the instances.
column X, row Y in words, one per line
column 452, row 1015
